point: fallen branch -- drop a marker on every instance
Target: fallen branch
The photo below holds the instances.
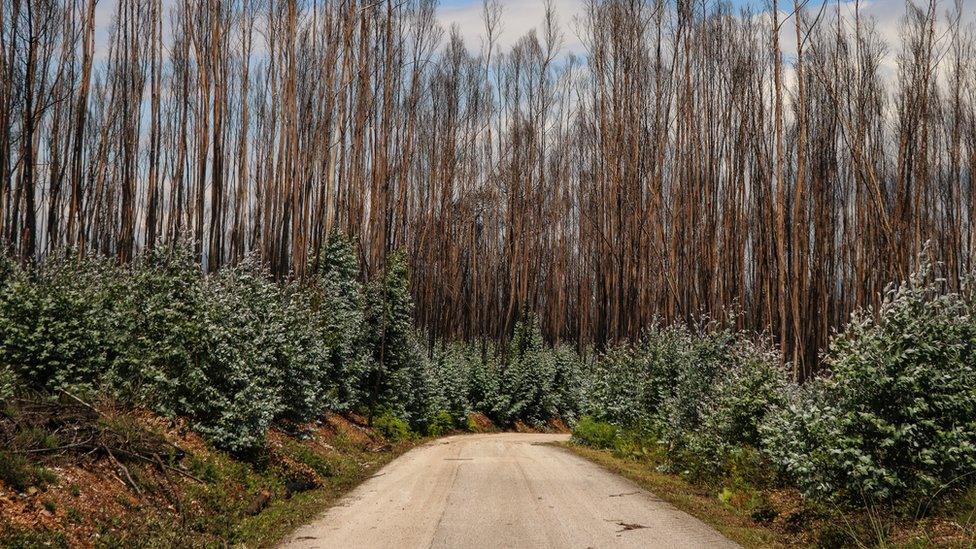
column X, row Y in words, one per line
column 125, row 470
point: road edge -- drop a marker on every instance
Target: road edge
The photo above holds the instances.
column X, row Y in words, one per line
column 683, row 496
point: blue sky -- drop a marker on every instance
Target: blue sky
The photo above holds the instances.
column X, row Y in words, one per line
column 521, row 16
column 740, row 3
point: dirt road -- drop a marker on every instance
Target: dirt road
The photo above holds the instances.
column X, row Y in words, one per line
column 501, row 490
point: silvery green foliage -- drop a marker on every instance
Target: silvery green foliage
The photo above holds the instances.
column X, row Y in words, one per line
column 234, row 352
column 615, row 387
column 738, row 401
column 400, row 378
column 415, row 386
column 159, row 333
column 663, row 353
column 744, row 393
column 699, row 356
column 451, row 374
column 699, row 390
column 897, row 415
column 207, row 348
column 56, row 322
column 308, row 387
column 527, row 390
column 484, row 378
column 8, row 382
column 389, row 310
column 341, row 299
column 630, row 384
column 568, row 383
column 231, row 391
column 799, row 438
column 533, row 382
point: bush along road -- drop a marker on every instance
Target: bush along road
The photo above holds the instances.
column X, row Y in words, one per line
column 154, row 385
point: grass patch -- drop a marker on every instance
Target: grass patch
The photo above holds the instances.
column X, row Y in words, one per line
column 192, row 495
column 769, row 516
column 963, row 508
column 281, row 517
column 595, row 434
column 20, row 474
column 694, row 500
column 20, row 538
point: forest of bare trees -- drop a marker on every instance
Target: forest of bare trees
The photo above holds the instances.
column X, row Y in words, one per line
column 683, row 166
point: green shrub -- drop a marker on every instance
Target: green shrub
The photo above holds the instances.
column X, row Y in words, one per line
column 396, row 360
column 736, row 404
column 567, row 383
column 391, row 427
column 441, row 424
column 744, row 393
column 640, row 442
column 338, row 295
column 302, row 359
column 56, row 322
column 665, row 374
column 214, row 349
column 234, row 352
column 800, row 438
column 452, row 378
column 8, row 382
column 418, row 396
column 595, row 433
column 688, row 395
column 615, row 387
column 159, row 327
column 531, row 382
column 527, row 391
column 896, row 417
column 484, row 379
column 698, row 357
column 231, row 391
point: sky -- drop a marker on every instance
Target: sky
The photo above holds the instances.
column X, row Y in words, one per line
column 518, row 18
column 521, row 16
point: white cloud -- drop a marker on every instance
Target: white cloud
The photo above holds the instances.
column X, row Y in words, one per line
column 886, row 18
column 518, row 18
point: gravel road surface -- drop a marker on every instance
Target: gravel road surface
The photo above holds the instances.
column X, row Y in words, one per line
column 501, row 491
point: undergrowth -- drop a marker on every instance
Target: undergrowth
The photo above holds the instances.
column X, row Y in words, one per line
column 236, row 353
column 886, row 433
column 885, row 437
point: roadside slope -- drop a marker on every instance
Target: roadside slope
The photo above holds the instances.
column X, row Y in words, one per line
column 501, row 490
